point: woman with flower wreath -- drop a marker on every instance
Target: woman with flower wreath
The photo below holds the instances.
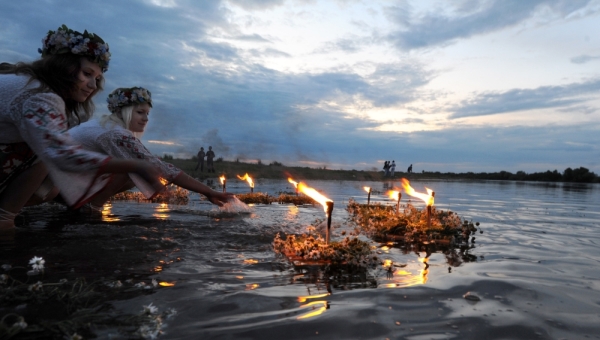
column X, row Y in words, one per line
column 118, row 134
column 38, row 103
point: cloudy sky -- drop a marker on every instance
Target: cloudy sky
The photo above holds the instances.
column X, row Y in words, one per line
column 450, row 86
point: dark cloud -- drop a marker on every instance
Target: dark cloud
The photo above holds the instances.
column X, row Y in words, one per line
column 218, row 51
column 349, row 45
column 252, row 37
column 469, row 18
column 527, row 99
column 582, row 59
column 206, row 92
column 252, row 5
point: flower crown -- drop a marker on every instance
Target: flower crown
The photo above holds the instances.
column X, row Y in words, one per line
column 65, row 40
column 128, row 96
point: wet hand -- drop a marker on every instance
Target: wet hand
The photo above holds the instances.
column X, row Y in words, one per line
column 219, row 198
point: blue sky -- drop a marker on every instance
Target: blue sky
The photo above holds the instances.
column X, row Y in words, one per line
column 450, row 86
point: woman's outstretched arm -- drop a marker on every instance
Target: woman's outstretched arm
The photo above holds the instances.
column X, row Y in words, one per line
column 189, row 183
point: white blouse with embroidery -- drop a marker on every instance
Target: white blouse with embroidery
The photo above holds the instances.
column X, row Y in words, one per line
column 118, row 142
column 39, row 119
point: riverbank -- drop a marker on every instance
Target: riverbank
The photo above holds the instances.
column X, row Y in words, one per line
column 279, row 171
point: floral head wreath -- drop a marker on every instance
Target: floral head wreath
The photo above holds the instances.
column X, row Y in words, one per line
column 65, row 40
column 122, row 97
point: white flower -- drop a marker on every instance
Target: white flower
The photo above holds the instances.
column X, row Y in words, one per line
column 116, row 284
column 150, row 309
column 146, row 332
column 170, row 312
column 3, row 278
column 6, row 267
column 37, row 263
column 20, row 324
column 140, row 285
column 154, row 283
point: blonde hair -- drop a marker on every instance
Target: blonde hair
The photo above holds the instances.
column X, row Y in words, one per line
column 121, row 118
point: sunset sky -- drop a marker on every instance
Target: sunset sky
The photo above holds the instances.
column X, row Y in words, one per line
column 450, row 86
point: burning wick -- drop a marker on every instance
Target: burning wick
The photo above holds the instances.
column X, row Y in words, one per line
column 368, row 190
column 315, row 195
column 396, row 195
column 429, row 211
column 249, row 180
column 427, row 198
column 329, row 212
column 223, row 182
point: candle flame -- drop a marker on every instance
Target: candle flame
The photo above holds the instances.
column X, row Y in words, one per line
column 312, row 193
column 367, row 189
column 427, row 198
column 222, row 178
column 248, row 179
column 166, row 284
column 393, row 194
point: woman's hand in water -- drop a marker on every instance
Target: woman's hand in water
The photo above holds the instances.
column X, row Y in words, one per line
column 219, row 198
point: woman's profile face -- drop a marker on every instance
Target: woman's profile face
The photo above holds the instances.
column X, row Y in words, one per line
column 139, row 117
column 88, row 78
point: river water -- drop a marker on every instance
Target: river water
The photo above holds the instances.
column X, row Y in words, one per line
column 534, row 269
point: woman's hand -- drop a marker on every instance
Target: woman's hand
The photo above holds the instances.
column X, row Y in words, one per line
column 219, row 198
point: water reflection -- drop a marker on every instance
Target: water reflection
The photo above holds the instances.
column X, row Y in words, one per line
column 539, row 244
column 162, row 211
column 107, row 215
column 318, row 308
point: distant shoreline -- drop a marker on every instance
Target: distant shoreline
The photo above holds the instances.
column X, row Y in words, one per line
column 279, row 171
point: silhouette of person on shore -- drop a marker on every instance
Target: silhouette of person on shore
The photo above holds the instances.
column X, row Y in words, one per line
column 409, row 169
column 392, row 168
column 386, row 168
column 200, row 164
column 210, row 167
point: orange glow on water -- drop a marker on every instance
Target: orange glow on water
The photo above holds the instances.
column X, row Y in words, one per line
column 316, row 310
column 166, row 284
column 162, row 211
column 107, row 215
column 306, row 297
column 252, row 286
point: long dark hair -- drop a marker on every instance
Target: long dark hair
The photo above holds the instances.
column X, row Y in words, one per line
column 58, row 73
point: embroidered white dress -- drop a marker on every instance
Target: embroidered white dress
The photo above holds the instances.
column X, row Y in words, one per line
column 118, row 142
column 39, row 120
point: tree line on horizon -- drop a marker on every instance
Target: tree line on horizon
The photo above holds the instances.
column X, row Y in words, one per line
column 579, row 175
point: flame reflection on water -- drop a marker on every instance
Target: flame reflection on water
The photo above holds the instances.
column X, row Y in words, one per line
column 162, row 211
column 408, row 276
column 316, row 310
column 107, row 215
